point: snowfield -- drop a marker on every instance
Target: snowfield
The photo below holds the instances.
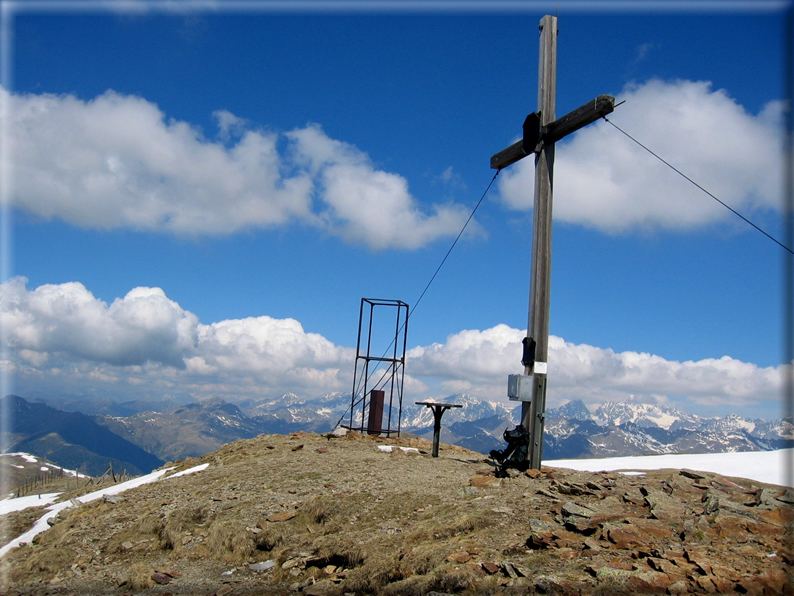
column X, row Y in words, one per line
column 9, row 505
column 771, row 467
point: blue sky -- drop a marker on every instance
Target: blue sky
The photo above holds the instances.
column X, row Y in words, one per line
column 200, row 200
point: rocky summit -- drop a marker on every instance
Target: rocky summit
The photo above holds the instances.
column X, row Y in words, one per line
column 308, row 514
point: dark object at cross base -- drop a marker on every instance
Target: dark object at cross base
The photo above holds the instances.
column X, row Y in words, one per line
column 515, row 454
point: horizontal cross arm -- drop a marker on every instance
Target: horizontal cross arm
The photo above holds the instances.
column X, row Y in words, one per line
column 579, row 118
column 508, row 156
column 554, row 131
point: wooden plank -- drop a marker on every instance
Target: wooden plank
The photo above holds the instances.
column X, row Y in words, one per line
column 508, row 156
column 579, row 118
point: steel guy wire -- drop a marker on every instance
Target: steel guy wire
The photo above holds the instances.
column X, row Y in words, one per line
column 680, row 173
column 422, row 295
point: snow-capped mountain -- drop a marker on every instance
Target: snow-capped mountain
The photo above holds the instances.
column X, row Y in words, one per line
column 418, row 417
column 639, row 429
column 643, row 415
column 291, row 413
column 572, row 430
column 322, row 413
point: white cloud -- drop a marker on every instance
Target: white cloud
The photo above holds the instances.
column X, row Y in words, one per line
column 479, row 362
column 643, row 50
column 450, row 179
column 62, row 338
column 470, row 355
column 64, row 332
column 366, row 205
column 229, row 125
column 66, row 319
column 117, row 162
column 605, row 181
column 266, row 345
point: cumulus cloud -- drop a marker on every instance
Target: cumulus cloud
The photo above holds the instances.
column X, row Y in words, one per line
column 64, row 332
column 66, row 319
column 471, row 355
column 479, row 362
column 605, row 181
column 62, row 338
column 366, row 205
column 229, row 125
column 264, row 344
column 117, row 161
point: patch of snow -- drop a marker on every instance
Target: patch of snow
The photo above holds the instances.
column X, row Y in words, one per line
column 44, row 469
column 228, row 422
column 770, row 467
column 20, row 503
column 747, row 425
column 40, row 526
column 192, row 470
column 390, row 448
column 662, row 420
column 26, row 456
column 121, row 487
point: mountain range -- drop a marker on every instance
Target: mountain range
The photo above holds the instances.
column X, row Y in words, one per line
column 144, row 439
column 71, row 439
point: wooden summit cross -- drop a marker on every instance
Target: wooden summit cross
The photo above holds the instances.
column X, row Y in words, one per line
column 541, row 131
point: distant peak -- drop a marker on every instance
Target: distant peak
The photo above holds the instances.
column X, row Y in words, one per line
column 574, row 409
column 213, row 402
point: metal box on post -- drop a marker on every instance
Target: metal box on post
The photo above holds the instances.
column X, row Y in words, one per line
column 519, row 387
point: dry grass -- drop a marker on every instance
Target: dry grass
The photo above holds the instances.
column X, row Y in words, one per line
column 378, row 536
column 316, row 510
column 371, row 522
column 138, row 577
column 342, row 550
column 417, row 585
column 18, row 522
column 179, row 521
column 268, row 539
column 229, row 542
column 50, row 562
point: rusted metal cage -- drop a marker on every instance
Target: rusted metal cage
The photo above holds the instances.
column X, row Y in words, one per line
column 376, row 401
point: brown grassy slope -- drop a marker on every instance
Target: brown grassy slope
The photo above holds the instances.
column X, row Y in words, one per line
column 336, row 516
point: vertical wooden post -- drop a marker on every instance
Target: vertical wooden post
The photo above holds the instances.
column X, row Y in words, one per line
column 533, row 413
column 541, row 144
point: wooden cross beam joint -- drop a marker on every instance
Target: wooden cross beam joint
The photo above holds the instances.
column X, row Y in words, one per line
column 553, row 132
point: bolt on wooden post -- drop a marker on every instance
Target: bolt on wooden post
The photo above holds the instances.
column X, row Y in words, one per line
column 541, row 131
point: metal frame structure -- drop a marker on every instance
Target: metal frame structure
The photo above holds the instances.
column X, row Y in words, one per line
column 393, row 376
